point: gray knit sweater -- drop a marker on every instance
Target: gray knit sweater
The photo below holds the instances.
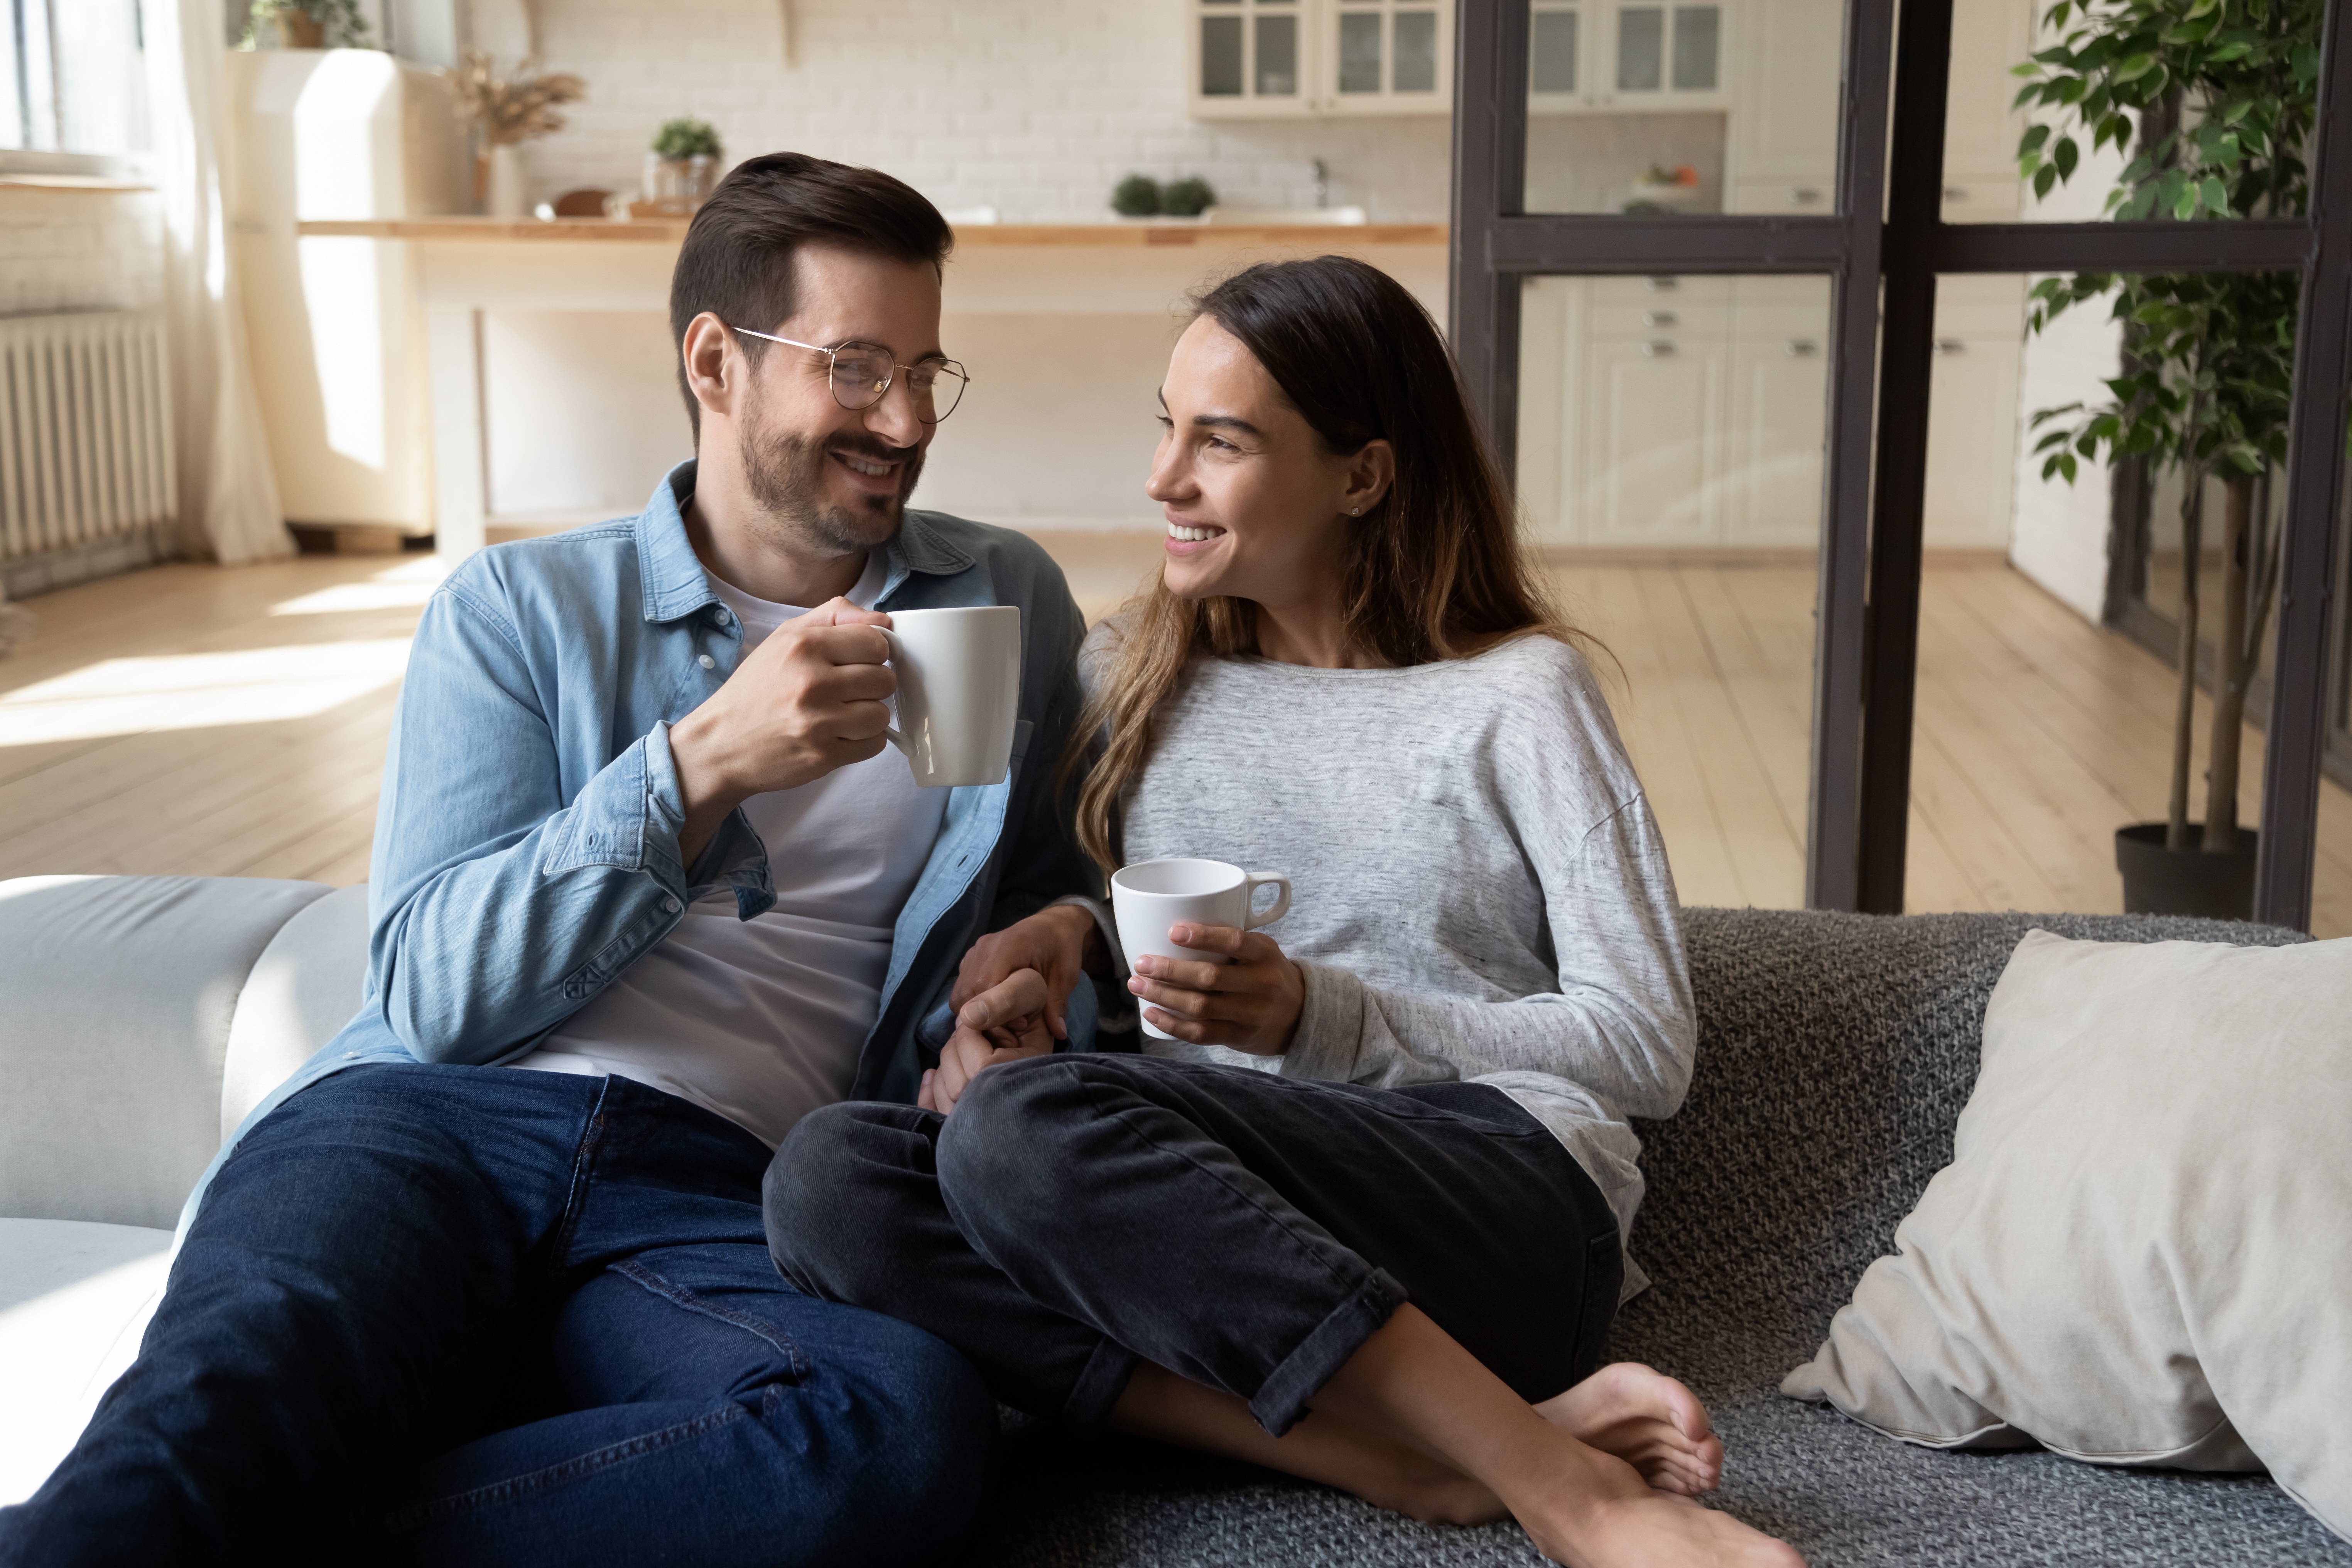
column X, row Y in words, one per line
column 1479, row 889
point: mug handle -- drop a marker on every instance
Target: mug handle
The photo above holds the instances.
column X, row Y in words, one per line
column 1281, row 905
column 898, row 652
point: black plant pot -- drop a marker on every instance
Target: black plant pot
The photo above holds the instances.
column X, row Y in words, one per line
column 2161, row 881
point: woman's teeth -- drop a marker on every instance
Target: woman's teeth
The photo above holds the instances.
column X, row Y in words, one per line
column 1192, row 535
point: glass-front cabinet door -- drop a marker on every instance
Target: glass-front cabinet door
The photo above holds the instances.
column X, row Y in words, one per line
column 1248, row 58
column 1390, row 57
column 1628, row 56
column 1254, row 59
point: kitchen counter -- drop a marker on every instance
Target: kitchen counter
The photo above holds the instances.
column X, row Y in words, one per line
column 1086, row 236
column 1022, row 300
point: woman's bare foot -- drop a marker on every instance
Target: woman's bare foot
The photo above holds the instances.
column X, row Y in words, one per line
column 1647, row 1419
column 1655, row 1530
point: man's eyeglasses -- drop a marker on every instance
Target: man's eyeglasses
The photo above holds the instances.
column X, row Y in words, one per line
column 859, row 373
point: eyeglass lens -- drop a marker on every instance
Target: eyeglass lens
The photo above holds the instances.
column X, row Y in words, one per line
column 861, row 375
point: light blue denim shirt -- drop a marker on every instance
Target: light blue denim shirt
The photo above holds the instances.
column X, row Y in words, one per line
column 525, row 844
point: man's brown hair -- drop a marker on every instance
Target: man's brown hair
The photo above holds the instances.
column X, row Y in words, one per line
column 737, row 261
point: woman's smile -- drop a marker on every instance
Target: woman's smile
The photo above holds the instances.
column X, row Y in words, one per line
column 1185, row 538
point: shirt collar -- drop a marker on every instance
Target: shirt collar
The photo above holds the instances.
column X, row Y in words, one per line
column 676, row 583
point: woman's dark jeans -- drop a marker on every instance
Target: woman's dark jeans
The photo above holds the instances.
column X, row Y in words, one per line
column 457, row 1315
column 1080, row 1213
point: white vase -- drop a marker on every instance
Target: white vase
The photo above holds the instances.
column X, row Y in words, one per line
column 505, row 196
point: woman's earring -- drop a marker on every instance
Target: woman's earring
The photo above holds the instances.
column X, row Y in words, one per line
column 1355, row 512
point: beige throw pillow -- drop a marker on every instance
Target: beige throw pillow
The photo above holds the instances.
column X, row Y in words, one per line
column 2141, row 1253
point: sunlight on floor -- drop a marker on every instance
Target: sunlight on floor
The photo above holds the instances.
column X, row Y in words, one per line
column 198, row 690
column 402, row 587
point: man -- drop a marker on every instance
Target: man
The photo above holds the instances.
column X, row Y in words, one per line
column 640, row 832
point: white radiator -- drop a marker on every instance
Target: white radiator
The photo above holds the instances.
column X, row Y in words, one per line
column 85, row 430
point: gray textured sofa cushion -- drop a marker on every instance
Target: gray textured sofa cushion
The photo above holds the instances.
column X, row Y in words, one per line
column 1835, row 1054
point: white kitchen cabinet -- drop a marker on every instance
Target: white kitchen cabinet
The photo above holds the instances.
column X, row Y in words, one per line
column 1651, row 476
column 1620, row 57
column 1779, row 406
column 1257, row 60
column 1973, row 412
column 1780, row 141
column 1781, row 146
column 1673, row 413
column 1980, row 132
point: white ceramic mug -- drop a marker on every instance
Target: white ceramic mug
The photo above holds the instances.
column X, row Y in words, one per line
column 958, row 692
column 1151, row 896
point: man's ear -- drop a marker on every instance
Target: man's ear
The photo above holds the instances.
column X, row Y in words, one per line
column 1370, row 472
column 715, row 365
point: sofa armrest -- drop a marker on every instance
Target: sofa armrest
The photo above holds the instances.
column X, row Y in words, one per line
column 120, row 991
column 304, row 987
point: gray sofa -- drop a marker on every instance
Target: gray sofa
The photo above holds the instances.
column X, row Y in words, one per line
column 145, row 1014
column 1835, row 1053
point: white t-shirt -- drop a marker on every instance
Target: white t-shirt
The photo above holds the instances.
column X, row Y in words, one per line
column 760, row 1020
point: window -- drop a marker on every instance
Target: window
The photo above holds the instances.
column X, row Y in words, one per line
column 1644, row 355
column 72, row 80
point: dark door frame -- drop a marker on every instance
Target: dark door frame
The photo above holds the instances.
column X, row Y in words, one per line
column 1873, row 496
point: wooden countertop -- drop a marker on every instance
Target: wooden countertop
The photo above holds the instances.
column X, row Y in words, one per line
column 1101, row 236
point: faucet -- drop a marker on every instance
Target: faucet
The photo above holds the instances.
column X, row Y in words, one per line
column 1322, row 183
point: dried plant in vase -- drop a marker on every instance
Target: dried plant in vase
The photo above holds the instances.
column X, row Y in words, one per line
column 508, row 112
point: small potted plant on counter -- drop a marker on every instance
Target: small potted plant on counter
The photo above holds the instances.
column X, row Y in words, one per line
column 1138, row 195
column 306, row 25
column 2224, row 101
column 1663, row 190
column 682, row 164
column 1187, row 197
column 505, row 114
column 1141, row 196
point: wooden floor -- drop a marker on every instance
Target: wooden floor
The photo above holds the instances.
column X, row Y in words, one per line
column 191, row 719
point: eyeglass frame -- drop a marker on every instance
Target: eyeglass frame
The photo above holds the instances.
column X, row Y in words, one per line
column 831, row 354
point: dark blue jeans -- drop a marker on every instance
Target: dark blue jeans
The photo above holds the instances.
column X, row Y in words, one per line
column 1079, row 1213
column 469, row 1315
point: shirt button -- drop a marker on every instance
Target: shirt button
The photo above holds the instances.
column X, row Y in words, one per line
column 706, row 662
column 721, row 617
column 671, row 905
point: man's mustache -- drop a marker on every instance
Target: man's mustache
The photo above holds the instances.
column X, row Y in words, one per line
column 872, row 450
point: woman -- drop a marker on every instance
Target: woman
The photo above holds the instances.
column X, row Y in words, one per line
column 1409, row 1222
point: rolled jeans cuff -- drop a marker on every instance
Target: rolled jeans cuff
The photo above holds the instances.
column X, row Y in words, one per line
column 1282, row 1398
column 1100, row 1383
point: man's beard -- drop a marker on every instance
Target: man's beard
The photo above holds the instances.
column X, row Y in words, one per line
column 786, row 475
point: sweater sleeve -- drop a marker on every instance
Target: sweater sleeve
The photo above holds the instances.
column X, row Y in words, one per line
column 1622, row 1024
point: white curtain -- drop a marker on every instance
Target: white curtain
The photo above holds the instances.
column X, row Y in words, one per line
column 228, row 492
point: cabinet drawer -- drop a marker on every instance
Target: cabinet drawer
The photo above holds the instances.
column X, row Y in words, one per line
column 1667, row 320
column 1799, row 197
column 1981, row 198
column 1989, row 308
column 1662, row 307
column 1781, row 310
column 1666, row 291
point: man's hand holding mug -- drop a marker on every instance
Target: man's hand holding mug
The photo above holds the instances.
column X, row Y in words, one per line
column 813, row 697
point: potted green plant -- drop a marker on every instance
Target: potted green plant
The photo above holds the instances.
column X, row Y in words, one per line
column 1138, row 195
column 682, row 164
column 307, row 23
column 1188, row 197
column 2216, row 100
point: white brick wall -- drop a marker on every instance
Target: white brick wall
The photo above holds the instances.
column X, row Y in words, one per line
column 78, row 250
column 1034, row 107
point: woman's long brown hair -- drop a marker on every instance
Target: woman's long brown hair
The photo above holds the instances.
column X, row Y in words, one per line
column 1433, row 571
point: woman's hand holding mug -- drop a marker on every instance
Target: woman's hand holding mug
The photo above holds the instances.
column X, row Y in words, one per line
column 1250, row 1002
